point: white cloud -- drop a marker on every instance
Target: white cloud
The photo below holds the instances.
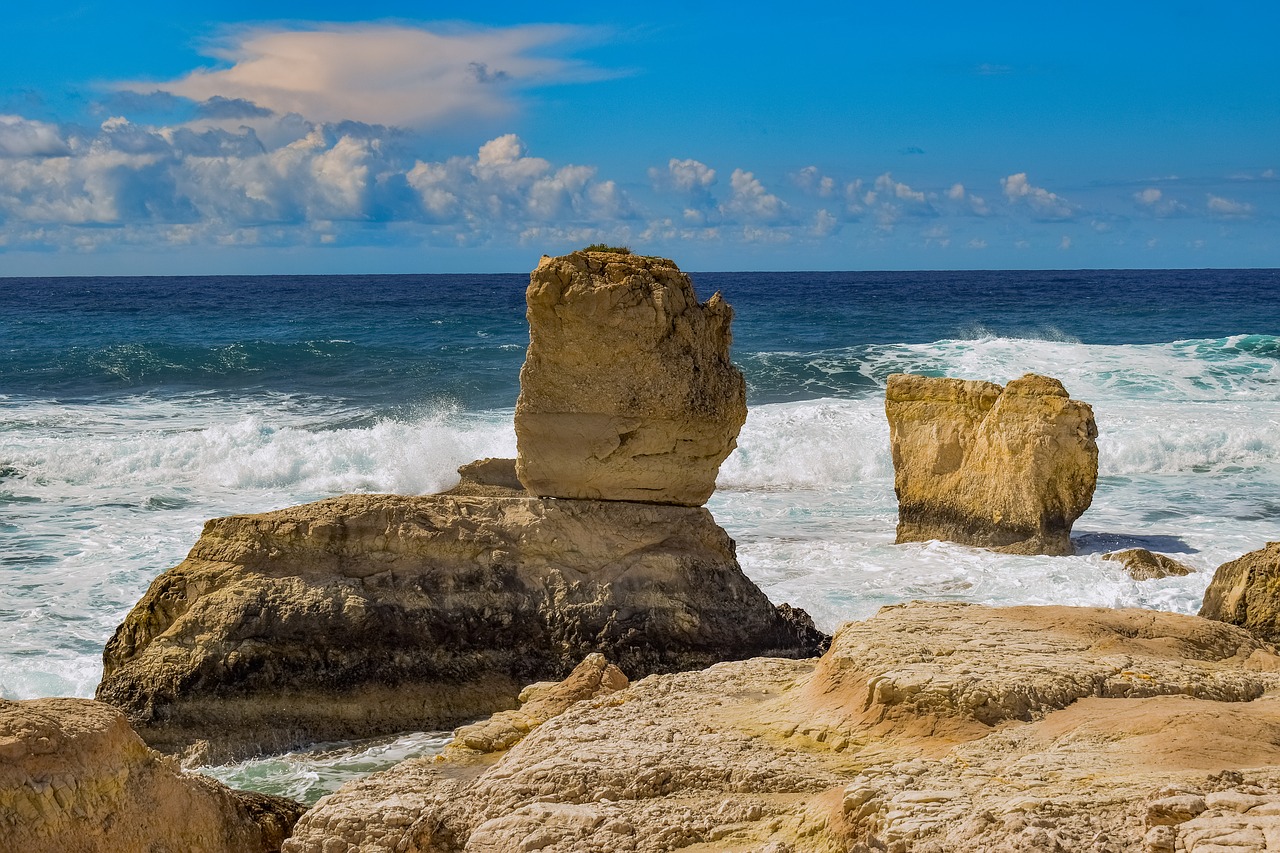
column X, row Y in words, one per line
column 20, row 137
column 977, row 243
column 1043, row 204
column 886, row 184
column 1065, row 243
column 381, row 74
column 1229, row 209
column 812, row 181
column 1149, row 196
column 956, row 193
column 751, row 200
column 690, row 175
column 1155, row 201
column 824, row 223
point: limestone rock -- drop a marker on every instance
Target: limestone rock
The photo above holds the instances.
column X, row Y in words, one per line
column 627, row 392
column 374, row 614
column 1143, row 565
column 490, row 478
column 1097, row 729
column 75, row 779
column 1008, row 469
column 1246, row 592
column 595, row 676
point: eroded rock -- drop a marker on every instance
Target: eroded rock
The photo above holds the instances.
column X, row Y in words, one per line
column 627, row 392
column 1246, row 592
column 1009, row 469
column 1101, row 730
column 74, row 777
column 1144, row 565
column 374, row 614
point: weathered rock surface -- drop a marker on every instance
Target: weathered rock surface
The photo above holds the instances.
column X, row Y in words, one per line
column 374, row 614
column 489, row 478
column 930, row 727
column 595, row 676
column 1144, row 565
column 1008, row 469
column 627, row 392
column 75, row 779
column 1246, row 592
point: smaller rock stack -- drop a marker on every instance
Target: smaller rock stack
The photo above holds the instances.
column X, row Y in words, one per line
column 627, row 392
column 1003, row 468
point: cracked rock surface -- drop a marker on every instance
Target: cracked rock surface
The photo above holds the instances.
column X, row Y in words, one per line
column 929, row 727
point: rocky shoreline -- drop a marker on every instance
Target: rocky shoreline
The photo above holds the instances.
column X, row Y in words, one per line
column 621, row 685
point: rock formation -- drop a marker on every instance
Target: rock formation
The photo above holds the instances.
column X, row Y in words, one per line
column 373, row 614
column 1246, row 592
column 627, row 392
column 928, row 728
column 75, row 779
column 1143, row 565
column 1008, row 469
column 595, row 676
column 489, row 478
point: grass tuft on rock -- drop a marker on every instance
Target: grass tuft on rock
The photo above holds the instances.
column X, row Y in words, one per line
column 602, row 247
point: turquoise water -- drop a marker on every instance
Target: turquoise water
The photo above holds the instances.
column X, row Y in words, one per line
column 132, row 410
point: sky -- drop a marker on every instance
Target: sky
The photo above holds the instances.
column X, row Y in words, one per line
column 158, row 138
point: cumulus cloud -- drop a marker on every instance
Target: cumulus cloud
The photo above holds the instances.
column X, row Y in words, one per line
column 1042, row 203
column 20, row 137
column 750, row 199
column 811, row 180
column 380, row 74
column 1226, row 208
column 1154, row 201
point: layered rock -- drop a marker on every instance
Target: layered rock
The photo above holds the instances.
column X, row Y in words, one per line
column 627, row 392
column 931, row 727
column 1246, row 592
column 1144, row 565
column 75, row 779
column 372, row 614
column 1009, row 469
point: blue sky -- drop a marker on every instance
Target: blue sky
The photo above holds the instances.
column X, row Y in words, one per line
column 274, row 137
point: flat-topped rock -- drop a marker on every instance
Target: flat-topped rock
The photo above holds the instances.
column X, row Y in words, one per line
column 1009, row 469
column 1246, row 592
column 627, row 392
column 374, row 614
column 74, row 778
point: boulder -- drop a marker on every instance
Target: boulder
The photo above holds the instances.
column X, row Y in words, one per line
column 1003, row 468
column 374, row 614
column 75, row 779
column 627, row 392
column 1246, row 592
column 929, row 728
column 1143, row 565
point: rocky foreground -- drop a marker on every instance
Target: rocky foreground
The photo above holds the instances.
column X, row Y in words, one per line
column 930, row 727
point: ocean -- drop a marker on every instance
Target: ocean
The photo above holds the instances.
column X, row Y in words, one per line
column 133, row 409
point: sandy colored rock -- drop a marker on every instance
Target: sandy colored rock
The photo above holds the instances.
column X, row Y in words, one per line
column 75, row 779
column 627, row 392
column 928, row 728
column 375, row 614
column 1246, row 592
column 1009, row 469
column 1144, row 565
column 491, row 478
column 595, row 676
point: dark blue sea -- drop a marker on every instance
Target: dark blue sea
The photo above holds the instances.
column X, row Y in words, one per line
column 132, row 409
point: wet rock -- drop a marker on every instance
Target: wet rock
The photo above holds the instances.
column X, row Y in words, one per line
column 1143, row 565
column 374, row 614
